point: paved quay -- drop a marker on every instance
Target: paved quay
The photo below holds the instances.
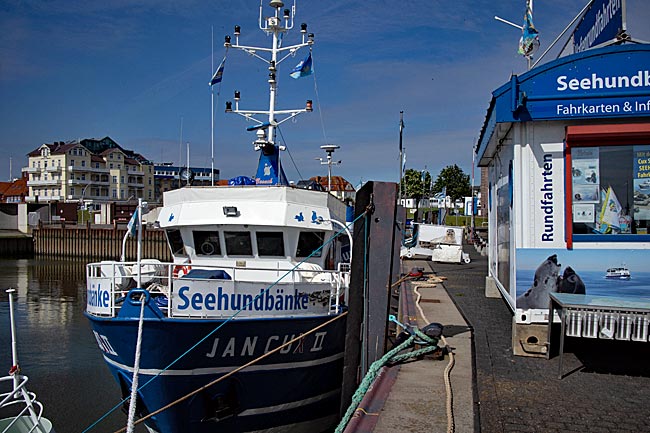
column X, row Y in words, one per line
column 605, row 388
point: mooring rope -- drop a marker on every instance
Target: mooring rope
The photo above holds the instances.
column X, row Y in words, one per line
column 236, row 370
column 451, row 426
column 393, row 355
column 136, row 368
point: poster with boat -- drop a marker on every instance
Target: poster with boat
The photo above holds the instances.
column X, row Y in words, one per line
column 585, row 175
column 616, row 273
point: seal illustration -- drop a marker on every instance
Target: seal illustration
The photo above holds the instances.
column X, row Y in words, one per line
column 450, row 237
column 545, row 282
column 570, row 282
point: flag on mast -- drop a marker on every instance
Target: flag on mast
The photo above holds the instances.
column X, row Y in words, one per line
column 303, row 68
column 401, row 128
column 218, row 75
column 529, row 40
column 132, row 226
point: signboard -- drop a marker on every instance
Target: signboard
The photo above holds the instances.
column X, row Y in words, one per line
column 616, row 273
column 641, row 182
column 98, row 294
column 610, row 82
column 602, row 22
column 210, row 298
column 547, row 193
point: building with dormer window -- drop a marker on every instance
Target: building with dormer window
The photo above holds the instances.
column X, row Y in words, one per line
column 86, row 171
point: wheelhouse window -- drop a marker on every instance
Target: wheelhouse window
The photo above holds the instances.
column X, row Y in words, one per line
column 176, row 242
column 610, row 183
column 270, row 244
column 238, row 243
column 206, row 243
column 308, row 242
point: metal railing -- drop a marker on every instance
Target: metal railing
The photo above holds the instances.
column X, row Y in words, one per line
column 108, row 284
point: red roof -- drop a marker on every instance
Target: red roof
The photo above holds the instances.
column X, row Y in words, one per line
column 4, row 186
column 17, row 188
column 337, row 182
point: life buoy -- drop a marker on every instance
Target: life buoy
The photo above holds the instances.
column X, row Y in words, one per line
column 180, row 270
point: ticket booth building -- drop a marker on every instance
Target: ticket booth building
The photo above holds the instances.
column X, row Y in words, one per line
column 567, row 151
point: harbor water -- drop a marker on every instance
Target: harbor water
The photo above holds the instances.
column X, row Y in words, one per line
column 56, row 347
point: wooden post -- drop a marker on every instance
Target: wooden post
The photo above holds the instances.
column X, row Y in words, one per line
column 374, row 257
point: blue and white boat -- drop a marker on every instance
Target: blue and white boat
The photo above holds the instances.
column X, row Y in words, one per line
column 618, row 273
column 255, row 268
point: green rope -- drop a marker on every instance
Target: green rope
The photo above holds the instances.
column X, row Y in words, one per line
column 393, row 355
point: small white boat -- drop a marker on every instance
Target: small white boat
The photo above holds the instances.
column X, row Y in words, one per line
column 27, row 412
column 618, row 273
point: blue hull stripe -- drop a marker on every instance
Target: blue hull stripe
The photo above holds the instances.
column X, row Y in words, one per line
column 290, row 405
column 224, row 370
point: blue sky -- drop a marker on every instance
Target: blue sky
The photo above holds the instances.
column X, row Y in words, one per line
column 132, row 69
column 584, row 260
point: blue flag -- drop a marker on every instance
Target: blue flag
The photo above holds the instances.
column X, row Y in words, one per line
column 133, row 224
column 303, row 68
column 529, row 40
column 216, row 78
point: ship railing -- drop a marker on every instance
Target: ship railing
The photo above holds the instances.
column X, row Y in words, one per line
column 29, row 416
column 108, row 283
column 339, row 297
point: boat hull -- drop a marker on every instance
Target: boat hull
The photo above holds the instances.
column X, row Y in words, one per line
column 617, row 277
column 296, row 389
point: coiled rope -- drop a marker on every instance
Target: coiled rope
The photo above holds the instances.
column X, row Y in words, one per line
column 393, row 355
column 451, row 426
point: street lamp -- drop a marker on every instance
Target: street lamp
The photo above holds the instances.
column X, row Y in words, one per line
column 329, row 149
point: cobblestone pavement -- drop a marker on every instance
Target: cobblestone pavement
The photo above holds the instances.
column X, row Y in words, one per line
column 606, row 387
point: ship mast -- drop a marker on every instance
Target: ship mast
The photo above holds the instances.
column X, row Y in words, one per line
column 269, row 170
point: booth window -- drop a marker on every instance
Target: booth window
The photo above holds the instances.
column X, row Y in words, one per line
column 608, row 182
column 206, row 243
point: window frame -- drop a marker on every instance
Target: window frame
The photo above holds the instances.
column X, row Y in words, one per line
column 319, row 253
column 270, row 234
column 207, row 234
column 172, row 243
column 228, row 238
column 628, row 134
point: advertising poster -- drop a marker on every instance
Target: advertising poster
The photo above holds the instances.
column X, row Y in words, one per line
column 601, row 272
column 585, row 175
column 641, row 179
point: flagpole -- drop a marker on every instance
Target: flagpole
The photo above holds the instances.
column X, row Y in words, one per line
column 401, row 127
column 473, row 221
column 139, row 251
column 212, row 115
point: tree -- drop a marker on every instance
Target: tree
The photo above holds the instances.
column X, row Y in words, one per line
column 416, row 185
column 456, row 182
